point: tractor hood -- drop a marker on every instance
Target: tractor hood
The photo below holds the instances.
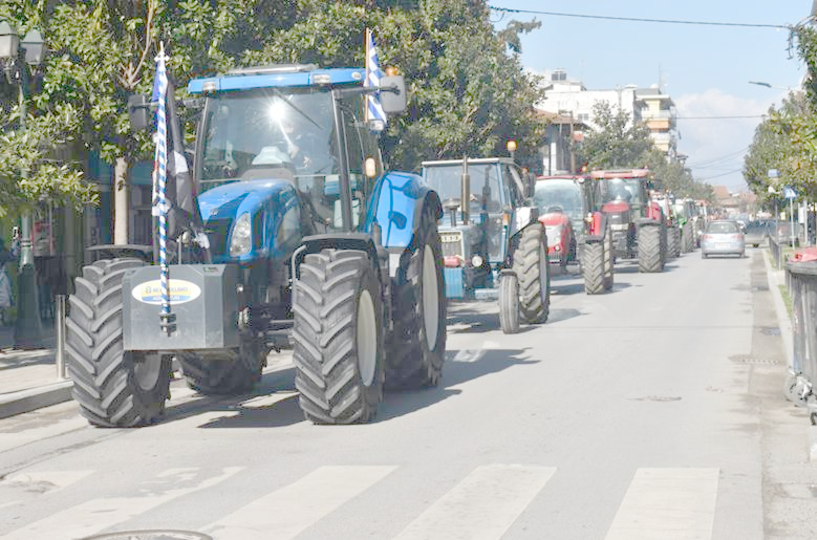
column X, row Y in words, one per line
column 264, row 200
column 553, row 219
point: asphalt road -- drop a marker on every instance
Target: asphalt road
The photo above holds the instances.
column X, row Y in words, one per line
column 637, row 414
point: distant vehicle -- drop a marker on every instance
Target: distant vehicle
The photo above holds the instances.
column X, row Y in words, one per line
column 723, row 237
column 758, row 232
column 786, row 234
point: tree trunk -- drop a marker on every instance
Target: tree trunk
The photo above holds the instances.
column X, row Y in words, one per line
column 121, row 204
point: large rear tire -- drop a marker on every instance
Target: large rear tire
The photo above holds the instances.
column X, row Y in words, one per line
column 233, row 371
column 338, row 334
column 113, row 388
column 649, row 249
column 531, row 266
column 509, row 303
column 593, row 267
column 417, row 347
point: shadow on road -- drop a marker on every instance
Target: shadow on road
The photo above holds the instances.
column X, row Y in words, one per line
column 480, row 322
column 400, row 403
column 284, row 412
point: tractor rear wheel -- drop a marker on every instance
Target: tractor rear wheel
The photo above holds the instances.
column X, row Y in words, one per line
column 233, row 371
column 593, row 268
column 509, row 303
column 649, row 249
column 417, row 345
column 113, row 388
column 338, row 334
column 531, row 266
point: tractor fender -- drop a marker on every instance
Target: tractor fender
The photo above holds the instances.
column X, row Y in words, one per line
column 397, row 205
column 648, row 222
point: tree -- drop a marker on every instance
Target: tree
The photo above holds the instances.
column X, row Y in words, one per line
column 618, row 141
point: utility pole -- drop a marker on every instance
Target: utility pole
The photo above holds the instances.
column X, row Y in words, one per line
column 572, row 147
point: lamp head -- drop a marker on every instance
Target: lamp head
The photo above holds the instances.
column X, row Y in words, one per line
column 34, row 47
column 511, row 146
column 9, row 42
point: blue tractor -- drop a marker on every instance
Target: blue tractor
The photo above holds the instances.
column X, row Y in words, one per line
column 494, row 247
column 302, row 237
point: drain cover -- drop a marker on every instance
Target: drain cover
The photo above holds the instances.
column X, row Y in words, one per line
column 151, row 535
column 769, row 330
column 660, row 399
column 749, row 359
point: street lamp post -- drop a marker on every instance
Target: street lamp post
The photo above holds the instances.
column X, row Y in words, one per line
column 28, row 330
column 511, row 145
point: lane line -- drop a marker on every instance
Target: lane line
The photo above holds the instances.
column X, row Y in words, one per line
column 667, row 503
column 285, row 513
column 95, row 515
column 482, row 506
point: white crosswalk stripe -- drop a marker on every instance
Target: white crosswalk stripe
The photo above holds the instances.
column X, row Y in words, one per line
column 9, row 441
column 284, row 513
column 96, row 515
column 660, row 503
column 481, row 507
column 667, row 504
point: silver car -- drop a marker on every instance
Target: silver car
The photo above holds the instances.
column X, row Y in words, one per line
column 723, row 237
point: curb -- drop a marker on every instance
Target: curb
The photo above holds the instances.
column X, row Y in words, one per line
column 31, row 399
column 783, row 320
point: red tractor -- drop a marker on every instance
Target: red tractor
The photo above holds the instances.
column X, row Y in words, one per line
column 576, row 229
column 637, row 222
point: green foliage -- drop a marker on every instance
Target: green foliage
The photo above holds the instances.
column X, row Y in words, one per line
column 467, row 91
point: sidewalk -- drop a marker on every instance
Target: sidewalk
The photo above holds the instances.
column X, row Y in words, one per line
column 28, row 379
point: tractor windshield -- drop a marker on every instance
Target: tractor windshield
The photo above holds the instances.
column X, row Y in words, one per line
column 267, row 134
column 622, row 189
column 486, row 192
column 560, row 196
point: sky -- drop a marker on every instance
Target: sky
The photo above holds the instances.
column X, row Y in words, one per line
column 705, row 69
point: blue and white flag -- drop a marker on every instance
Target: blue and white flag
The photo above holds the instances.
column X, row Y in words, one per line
column 374, row 109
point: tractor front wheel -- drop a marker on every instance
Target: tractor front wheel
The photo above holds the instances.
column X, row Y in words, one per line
column 531, row 266
column 417, row 347
column 649, row 249
column 338, row 334
column 233, row 371
column 593, row 267
column 113, row 388
column 509, row 303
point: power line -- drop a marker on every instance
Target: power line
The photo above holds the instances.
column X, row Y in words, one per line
column 718, row 117
column 635, row 19
column 718, row 160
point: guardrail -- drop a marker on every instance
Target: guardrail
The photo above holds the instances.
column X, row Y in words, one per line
column 802, row 279
column 776, row 251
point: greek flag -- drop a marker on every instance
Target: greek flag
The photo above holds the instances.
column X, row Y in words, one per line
column 374, row 110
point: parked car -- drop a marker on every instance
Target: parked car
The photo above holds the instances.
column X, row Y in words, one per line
column 723, row 237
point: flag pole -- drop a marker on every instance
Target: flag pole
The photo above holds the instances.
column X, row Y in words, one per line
column 166, row 316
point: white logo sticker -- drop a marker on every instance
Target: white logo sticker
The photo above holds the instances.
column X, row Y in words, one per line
column 181, row 292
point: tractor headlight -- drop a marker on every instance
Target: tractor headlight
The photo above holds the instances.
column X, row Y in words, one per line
column 477, row 261
column 241, row 241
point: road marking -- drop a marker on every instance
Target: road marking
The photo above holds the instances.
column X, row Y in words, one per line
column 469, row 356
column 481, row 507
column 667, row 504
column 9, row 441
column 96, row 515
column 285, row 513
column 43, row 481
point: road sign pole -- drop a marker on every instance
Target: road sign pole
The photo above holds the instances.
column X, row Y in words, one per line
column 791, row 218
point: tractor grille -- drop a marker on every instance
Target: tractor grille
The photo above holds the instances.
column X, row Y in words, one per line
column 218, row 231
column 451, row 244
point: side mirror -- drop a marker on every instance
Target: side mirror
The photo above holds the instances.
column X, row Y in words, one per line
column 138, row 106
column 393, row 95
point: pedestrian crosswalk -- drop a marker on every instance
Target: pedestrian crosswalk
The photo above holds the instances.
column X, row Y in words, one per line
column 658, row 503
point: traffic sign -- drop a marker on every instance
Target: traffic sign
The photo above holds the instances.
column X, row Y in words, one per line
column 789, row 193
